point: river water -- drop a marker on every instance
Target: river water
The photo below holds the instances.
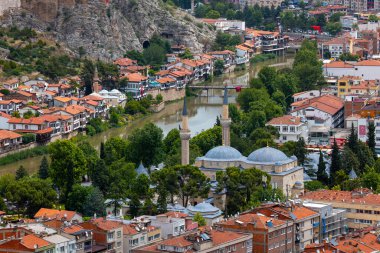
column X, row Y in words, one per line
column 202, row 111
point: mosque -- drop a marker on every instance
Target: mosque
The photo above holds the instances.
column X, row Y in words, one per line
column 284, row 171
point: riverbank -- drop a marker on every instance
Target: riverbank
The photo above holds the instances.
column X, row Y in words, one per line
column 202, row 110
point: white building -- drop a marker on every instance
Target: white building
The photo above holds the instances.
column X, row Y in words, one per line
column 170, row 226
column 367, row 69
column 348, row 21
column 306, row 95
column 63, row 244
column 333, row 221
column 290, row 128
column 222, row 24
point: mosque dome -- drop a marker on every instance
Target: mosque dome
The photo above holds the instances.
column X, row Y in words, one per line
column 203, row 208
column 267, row 155
column 223, row 153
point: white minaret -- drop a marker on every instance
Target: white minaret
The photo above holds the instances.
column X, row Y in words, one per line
column 185, row 136
column 225, row 121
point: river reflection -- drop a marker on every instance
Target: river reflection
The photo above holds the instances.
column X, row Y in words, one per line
column 202, row 110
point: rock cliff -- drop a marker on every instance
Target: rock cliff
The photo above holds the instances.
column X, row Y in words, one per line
column 106, row 29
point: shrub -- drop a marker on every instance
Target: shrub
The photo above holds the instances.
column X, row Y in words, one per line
column 28, row 138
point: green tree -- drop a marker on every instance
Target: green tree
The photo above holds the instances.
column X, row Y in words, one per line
column 199, row 219
column 348, row 57
column 21, row 172
column 218, row 67
column 192, row 183
column 373, row 18
column 100, row 176
column 43, row 171
column 208, row 139
column 371, row 179
column 94, row 203
column 76, row 198
column 365, row 157
column 349, row 160
column 186, row 55
column 115, row 149
column 314, row 185
column 335, row 162
column 321, row 173
column 340, row 177
column 268, row 75
column 213, row 14
column 334, row 27
column 154, row 55
column 300, row 151
column 371, row 136
column 31, row 194
column 172, row 142
column 87, row 75
column 68, row 165
column 102, row 151
column 145, row 145
column 307, row 67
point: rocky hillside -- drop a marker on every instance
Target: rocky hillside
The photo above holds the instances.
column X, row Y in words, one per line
column 106, row 29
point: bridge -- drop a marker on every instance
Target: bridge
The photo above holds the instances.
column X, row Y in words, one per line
column 206, row 87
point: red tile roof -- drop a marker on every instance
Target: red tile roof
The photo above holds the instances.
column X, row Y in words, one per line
column 54, row 214
column 331, row 196
column 125, row 62
column 338, row 64
column 327, row 103
column 136, row 77
column 30, row 241
column 104, row 224
column 259, row 219
column 31, row 121
column 5, row 134
column 285, row 120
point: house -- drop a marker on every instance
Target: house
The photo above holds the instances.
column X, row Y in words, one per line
column 64, row 215
column 290, row 128
column 11, row 84
column 106, row 233
column 10, row 106
column 28, row 243
column 62, row 101
column 21, row 95
column 17, row 233
column 137, row 235
column 227, row 56
column 29, row 108
column 322, row 113
column 61, row 124
column 137, row 84
column 63, row 243
column 361, row 205
column 9, row 140
column 203, row 240
column 37, row 126
column 123, row 64
column 170, row 226
column 199, row 68
column 337, row 46
column 4, row 119
column 80, row 115
column 305, row 95
column 167, row 83
column 60, row 89
column 83, row 238
column 243, row 54
column 268, row 232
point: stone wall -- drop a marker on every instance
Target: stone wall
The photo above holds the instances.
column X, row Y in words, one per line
column 7, row 4
column 168, row 95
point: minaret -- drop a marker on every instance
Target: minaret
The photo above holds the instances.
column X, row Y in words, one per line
column 96, row 83
column 225, row 121
column 185, row 136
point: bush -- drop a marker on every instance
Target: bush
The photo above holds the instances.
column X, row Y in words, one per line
column 28, row 138
column 133, row 107
column 262, row 57
column 90, row 130
column 33, row 152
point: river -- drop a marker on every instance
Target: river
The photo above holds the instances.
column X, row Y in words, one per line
column 202, row 111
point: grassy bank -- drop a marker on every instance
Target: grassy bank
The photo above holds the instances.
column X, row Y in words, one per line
column 37, row 151
column 262, row 57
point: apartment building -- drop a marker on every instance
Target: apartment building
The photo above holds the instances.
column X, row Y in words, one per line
column 362, row 206
column 203, row 240
column 83, row 238
column 305, row 220
column 367, row 69
column 137, row 235
column 290, row 128
column 106, row 233
column 27, row 244
column 333, row 221
column 269, row 234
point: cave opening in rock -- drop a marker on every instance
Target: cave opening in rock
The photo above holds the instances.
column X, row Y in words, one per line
column 146, row 44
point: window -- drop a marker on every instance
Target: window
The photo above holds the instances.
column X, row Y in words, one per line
column 118, row 234
column 284, row 128
column 111, row 235
column 376, row 212
column 79, row 245
column 62, row 249
column 284, row 137
column 109, row 246
column 142, row 239
column 292, row 129
column 118, row 244
column 156, row 236
column 243, row 245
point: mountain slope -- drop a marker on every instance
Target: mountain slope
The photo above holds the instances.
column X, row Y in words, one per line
column 106, row 29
